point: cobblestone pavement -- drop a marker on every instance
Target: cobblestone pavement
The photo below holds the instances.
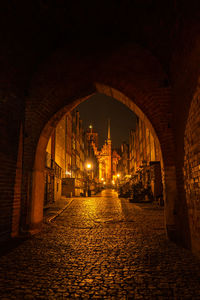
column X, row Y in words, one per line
column 101, row 248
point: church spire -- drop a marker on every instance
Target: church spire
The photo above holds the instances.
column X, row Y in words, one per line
column 108, row 129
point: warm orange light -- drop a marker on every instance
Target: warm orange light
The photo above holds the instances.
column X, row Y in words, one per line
column 102, row 179
column 118, row 175
column 89, row 166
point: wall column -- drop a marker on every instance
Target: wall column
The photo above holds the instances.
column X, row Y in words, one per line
column 37, row 200
column 36, row 189
column 170, row 200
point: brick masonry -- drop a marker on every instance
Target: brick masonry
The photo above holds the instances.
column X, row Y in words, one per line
column 192, row 168
column 51, row 62
column 45, row 106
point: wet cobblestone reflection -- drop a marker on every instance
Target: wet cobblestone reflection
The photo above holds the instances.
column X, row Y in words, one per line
column 101, row 248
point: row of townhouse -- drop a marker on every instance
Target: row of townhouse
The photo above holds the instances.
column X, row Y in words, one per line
column 143, row 147
column 124, row 165
column 66, row 154
column 145, row 158
column 140, row 159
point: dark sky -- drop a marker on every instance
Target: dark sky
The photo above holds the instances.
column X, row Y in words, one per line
column 96, row 111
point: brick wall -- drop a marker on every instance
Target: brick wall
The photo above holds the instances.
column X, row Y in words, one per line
column 192, row 169
column 56, row 80
column 11, row 111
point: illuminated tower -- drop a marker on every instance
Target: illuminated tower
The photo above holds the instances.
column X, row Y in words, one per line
column 92, row 136
column 108, row 129
column 105, row 159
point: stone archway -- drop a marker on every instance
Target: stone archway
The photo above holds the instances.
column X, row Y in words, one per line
column 37, row 196
column 131, row 75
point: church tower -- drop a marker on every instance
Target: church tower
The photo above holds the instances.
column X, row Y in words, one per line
column 105, row 160
column 108, row 129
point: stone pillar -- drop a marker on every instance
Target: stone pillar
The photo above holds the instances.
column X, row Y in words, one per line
column 170, row 199
column 37, row 199
column 35, row 190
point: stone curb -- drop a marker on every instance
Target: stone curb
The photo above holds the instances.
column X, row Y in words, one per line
column 51, row 218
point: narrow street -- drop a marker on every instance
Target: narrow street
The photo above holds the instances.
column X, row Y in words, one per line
column 101, row 247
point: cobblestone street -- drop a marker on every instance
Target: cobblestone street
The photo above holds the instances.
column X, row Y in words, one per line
column 101, row 247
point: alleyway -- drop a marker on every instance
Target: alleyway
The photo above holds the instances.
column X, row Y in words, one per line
column 101, row 247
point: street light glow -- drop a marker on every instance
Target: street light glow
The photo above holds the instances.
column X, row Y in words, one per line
column 68, row 173
column 89, row 166
column 118, row 175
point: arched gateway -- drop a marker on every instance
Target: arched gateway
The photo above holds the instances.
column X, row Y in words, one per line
column 54, row 56
column 130, row 75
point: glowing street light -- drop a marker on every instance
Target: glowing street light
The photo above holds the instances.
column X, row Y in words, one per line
column 89, row 166
column 118, row 175
column 68, row 173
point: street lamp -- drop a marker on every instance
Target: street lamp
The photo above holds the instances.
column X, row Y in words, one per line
column 118, row 176
column 68, row 173
column 88, row 168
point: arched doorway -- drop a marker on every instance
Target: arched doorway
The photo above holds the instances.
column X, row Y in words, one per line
column 130, row 75
column 37, row 196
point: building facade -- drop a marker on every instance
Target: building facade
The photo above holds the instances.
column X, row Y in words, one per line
column 145, row 158
column 107, row 159
column 143, row 147
column 123, row 166
column 65, row 158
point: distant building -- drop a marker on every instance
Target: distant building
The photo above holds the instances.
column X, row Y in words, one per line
column 145, row 158
column 65, row 158
column 67, row 153
column 78, row 154
column 107, row 159
column 115, row 161
column 91, row 143
column 143, row 148
column 92, row 136
column 123, row 165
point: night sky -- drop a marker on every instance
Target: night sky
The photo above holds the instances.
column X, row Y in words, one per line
column 96, row 111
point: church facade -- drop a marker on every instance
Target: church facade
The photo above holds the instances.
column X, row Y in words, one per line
column 106, row 157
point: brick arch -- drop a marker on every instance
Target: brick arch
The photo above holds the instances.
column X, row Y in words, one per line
column 131, row 70
column 131, row 75
column 36, row 213
column 191, row 169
